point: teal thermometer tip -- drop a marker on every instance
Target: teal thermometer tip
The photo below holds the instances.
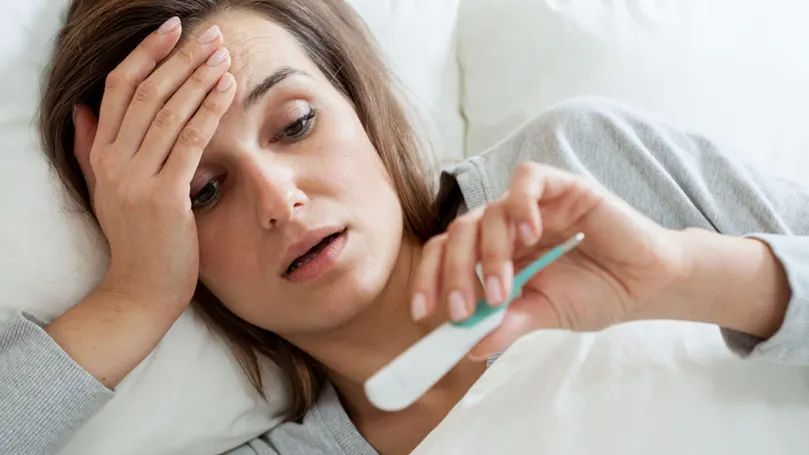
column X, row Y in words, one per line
column 483, row 309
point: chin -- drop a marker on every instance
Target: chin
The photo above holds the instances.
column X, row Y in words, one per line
column 356, row 292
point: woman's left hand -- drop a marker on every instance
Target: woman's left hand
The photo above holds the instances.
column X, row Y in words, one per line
column 624, row 264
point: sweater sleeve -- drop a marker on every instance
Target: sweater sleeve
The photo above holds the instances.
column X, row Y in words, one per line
column 44, row 395
column 679, row 180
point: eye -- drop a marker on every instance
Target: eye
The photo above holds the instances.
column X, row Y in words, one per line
column 207, row 195
column 298, row 129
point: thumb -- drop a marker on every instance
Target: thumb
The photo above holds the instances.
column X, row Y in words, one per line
column 524, row 315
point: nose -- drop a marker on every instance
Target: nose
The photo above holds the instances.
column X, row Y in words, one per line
column 277, row 196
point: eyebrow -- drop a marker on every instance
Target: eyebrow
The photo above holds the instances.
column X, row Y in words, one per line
column 269, row 82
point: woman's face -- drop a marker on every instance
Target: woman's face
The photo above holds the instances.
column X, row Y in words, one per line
column 289, row 168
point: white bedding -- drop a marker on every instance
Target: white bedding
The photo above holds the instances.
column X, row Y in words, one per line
column 638, row 389
column 571, row 394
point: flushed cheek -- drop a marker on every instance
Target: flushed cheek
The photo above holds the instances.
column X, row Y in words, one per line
column 351, row 163
column 227, row 263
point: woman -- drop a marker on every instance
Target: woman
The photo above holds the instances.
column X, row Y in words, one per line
column 253, row 152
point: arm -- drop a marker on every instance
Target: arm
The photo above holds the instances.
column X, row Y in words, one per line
column 55, row 377
column 58, row 376
column 763, row 310
column 684, row 181
column 109, row 334
column 45, row 395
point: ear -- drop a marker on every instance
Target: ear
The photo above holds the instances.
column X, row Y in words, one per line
column 85, row 124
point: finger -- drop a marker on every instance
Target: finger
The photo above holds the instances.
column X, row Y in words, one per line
column 522, row 201
column 152, row 93
column 458, row 269
column 496, row 250
column 537, row 188
column 426, row 280
column 523, row 316
column 121, row 83
column 170, row 120
column 184, row 158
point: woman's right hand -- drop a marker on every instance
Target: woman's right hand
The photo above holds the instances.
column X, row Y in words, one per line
column 158, row 113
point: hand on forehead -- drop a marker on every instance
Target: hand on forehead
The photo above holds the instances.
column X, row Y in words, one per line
column 259, row 47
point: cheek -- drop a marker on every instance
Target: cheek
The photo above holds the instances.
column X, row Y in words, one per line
column 226, row 259
column 367, row 189
column 352, row 163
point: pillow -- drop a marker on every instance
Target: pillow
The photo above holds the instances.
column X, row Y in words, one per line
column 732, row 69
column 419, row 39
column 189, row 396
column 637, row 389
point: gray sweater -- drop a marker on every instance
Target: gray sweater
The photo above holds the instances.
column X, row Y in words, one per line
column 677, row 179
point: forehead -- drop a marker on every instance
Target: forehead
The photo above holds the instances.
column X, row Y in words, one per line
column 258, row 46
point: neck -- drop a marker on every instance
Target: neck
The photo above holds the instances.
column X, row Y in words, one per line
column 354, row 352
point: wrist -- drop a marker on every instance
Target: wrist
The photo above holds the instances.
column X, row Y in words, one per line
column 734, row 282
column 122, row 286
column 108, row 334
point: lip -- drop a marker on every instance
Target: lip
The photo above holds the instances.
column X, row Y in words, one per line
column 305, row 243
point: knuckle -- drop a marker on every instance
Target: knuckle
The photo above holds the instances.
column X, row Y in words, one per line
column 491, row 256
column 191, row 137
column 455, row 227
column 456, row 261
column 150, row 47
column 166, row 118
column 517, row 203
column 147, row 91
column 213, row 104
column 463, row 224
column 199, row 76
column 152, row 44
column 96, row 161
column 186, row 55
column 435, row 244
column 493, row 210
column 455, row 273
column 102, row 164
column 115, row 79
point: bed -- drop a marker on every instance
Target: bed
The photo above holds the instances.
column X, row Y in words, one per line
column 472, row 70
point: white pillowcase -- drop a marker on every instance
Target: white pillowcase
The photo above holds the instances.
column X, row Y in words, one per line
column 735, row 70
column 419, row 39
column 189, row 396
column 660, row 388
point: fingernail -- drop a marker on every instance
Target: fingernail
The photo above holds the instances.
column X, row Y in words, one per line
column 457, row 306
column 218, row 57
column 210, row 35
column 508, row 278
column 224, row 82
column 475, row 357
column 494, row 291
column 418, row 307
column 169, row 26
column 527, row 234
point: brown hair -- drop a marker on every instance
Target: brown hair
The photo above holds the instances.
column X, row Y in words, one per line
column 99, row 34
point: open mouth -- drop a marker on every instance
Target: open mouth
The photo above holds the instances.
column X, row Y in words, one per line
column 312, row 253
